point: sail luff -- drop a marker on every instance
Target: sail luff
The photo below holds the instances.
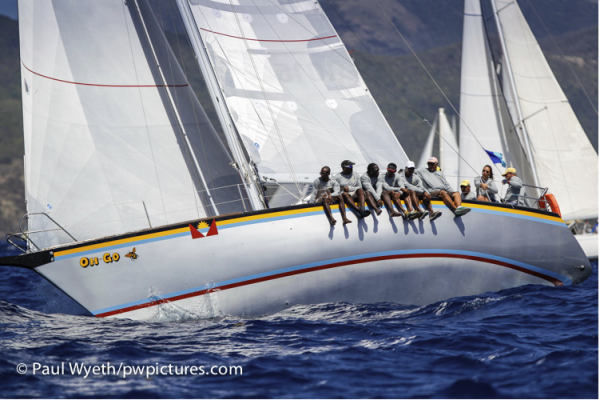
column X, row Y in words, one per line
column 484, row 115
column 223, row 112
column 175, row 111
column 511, row 80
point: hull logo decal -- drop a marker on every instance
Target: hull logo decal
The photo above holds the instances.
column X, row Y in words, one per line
column 132, row 255
column 196, row 234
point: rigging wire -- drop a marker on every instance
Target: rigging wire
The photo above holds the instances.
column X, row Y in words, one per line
column 436, row 84
column 244, row 173
column 162, row 200
column 187, row 150
column 283, row 146
column 564, row 57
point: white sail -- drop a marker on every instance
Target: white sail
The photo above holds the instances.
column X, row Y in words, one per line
column 485, row 122
column 428, row 148
column 564, row 158
column 104, row 149
column 449, row 151
column 293, row 92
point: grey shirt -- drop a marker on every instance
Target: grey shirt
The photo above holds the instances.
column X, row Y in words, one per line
column 413, row 182
column 434, row 180
column 319, row 186
column 490, row 192
column 468, row 196
column 515, row 188
column 393, row 183
column 372, row 185
column 352, row 181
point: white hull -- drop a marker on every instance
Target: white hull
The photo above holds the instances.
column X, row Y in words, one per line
column 589, row 244
column 264, row 262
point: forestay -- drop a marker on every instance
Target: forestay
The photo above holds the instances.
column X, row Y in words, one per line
column 564, row 158
column 485, row 123
column 104, row 151
column 294, row 94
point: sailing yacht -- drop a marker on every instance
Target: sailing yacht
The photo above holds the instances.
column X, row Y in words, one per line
column 134, row 204
column 523, row 116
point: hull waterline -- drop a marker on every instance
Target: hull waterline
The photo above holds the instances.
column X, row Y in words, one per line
column 260, row 263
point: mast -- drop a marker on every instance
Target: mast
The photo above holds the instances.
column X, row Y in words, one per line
column 246, row 172
column 514, row 89
column 174, row 108
column 442, row 138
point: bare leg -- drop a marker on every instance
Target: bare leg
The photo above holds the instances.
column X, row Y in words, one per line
column 396, row 200
column 372, row 204
column 385, row 196
column 350, row 202
column 457, row 199
column 415, row 200
column 407, row 200
column 427, row 202
column 340, row 201
column 361, row 200
column 447, row 200
column 482, row 198
column 325, row 203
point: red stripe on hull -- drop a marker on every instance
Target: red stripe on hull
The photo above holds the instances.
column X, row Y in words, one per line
column 554, row 281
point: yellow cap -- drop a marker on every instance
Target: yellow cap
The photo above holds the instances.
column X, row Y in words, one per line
column 514, row 171
column 465, row 183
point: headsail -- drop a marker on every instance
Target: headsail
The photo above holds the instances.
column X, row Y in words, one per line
column 449, row 151
column 485, row 121
column 293, row 92
column 104, row 151
column 564, row 158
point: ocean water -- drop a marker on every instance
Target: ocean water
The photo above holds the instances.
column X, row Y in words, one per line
column 529, row 342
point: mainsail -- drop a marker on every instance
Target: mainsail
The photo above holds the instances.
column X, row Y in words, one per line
column 563, row 156
column 485, row 122
column 292, row 91
column 112, row 144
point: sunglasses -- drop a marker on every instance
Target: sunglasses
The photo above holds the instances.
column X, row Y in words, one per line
column 325, row 173
column 391, row 170
column 485, row 170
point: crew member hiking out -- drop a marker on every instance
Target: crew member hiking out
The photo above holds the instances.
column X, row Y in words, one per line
column 393, row 191
column 327, row 191
column 437, row 185
column 372, row 187
column 351, row 189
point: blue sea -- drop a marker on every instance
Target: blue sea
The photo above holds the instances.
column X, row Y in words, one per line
column 529, row 342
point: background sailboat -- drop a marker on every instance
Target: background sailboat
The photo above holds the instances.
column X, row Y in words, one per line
column 447, row 151
column 529, row 120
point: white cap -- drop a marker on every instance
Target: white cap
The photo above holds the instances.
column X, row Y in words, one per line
column 410, row 164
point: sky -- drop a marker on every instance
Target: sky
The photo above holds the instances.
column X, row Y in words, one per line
column 8, row 8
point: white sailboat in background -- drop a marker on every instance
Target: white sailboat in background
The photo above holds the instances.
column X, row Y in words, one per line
column 527, row 119
column 448, row 148
column 134, row 204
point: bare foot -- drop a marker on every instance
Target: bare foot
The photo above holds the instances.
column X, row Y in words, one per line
column 378, row 212
column 332, row 222
column 395, row 214
column 347, row 221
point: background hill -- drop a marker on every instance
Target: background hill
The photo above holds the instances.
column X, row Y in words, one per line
column 567, row 31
